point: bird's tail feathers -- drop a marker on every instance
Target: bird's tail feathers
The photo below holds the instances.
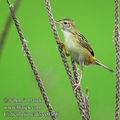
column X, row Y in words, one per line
column 97, row 62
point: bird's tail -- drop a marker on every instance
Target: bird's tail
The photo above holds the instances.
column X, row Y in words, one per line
column 97, row 62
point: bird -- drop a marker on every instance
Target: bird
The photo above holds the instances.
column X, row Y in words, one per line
column 77, row 46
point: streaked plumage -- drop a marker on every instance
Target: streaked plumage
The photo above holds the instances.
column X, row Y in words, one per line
column 78, row 46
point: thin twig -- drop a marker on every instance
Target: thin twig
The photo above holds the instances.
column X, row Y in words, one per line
column 84, row 104
column 32, row 64
column 87, row 104
column 6, row 28
column 117, row 47
column 78, row 94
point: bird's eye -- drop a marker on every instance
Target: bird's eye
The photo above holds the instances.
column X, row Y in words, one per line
column 65, row 23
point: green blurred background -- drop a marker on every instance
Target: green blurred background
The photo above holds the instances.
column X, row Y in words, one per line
column 95, row 19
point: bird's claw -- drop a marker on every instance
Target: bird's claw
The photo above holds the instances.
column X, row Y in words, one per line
column 76, row 85
column 63, row 47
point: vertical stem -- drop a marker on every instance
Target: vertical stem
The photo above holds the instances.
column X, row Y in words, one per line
column 117, row 47
column 78, row 94
column 56, row 36
column 87, row 104
column 31, row 62
column 6, row 28
column 83, row 99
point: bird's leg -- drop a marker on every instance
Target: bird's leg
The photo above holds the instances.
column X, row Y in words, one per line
column 78, row 84
column 80, row 77
column 63, row 48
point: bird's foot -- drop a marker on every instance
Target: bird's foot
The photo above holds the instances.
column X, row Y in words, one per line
column 63, row 47
column 76, row 85
column 59, row 42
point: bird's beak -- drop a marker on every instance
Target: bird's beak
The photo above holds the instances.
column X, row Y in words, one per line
column 57, row 22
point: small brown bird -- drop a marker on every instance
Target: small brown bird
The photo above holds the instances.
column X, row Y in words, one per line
column 77, row 46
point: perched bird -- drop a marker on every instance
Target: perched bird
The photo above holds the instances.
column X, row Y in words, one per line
column 77, row 46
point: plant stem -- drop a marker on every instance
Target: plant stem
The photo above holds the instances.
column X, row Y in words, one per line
column 78, row 94
column 31, row 62
column 7, row 27
column 82, row 99
column 117, row 47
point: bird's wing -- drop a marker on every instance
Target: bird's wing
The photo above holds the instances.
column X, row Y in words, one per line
column 84, row 43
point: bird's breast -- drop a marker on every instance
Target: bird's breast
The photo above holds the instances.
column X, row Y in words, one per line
column 73, row 47
column 72, row 44
column 77, row 52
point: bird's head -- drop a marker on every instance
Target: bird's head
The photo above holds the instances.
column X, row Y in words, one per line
column 66, row 24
